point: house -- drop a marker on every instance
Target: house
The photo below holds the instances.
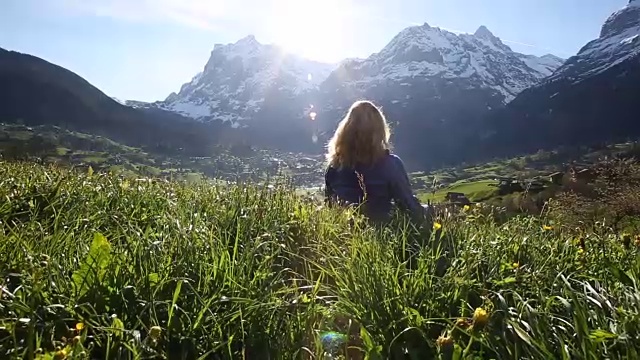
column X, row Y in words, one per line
column 556, row 178
column 535, row 186
column 457, row 198
column 585, row 175
column 508, row 185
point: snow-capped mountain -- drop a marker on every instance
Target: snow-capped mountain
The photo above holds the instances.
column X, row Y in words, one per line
column 421, row 53
column 428, row 80
column 591, row 99
column 619, row 41
column 545, row 64
column 432, row 83
column 239, row 79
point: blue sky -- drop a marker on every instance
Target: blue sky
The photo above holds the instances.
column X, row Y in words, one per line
column 145, row 49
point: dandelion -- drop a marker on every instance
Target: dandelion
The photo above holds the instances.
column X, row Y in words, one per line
column 79, row 326
column 60, row 355
column 155, row 332
column 480, row 318
column 444, row 342
column 547, row 227
column 437, row 226
column 515, row 265
column 466, row 208
column 581, row 243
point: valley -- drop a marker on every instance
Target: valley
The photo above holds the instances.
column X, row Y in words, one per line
column 479, row 182
column 52, row 144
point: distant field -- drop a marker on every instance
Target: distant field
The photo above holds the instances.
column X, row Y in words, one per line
column 475, row 191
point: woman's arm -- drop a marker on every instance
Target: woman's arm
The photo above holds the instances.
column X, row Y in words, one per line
column 401, row 191
column 329, row 194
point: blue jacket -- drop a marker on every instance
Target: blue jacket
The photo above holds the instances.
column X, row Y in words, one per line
column 384, row 182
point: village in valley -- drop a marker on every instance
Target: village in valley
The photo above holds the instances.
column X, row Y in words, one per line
column 501, row 183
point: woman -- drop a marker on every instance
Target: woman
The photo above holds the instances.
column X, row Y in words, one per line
column 362, row 170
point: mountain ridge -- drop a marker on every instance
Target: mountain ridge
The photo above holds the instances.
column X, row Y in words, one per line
column 248, row 47
column 258, row 89
column 36, row 92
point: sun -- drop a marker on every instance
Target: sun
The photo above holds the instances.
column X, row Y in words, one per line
column 314, row 29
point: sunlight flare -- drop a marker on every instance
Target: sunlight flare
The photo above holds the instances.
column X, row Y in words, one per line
column 310, row 28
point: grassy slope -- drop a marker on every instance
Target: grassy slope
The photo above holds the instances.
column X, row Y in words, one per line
column 226, row 271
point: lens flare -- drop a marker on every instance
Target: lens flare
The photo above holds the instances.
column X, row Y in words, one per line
column 332, row 341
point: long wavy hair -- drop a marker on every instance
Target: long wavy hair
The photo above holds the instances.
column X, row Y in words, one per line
column 361, row 138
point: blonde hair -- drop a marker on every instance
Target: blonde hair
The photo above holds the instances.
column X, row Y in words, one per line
column 362, row 137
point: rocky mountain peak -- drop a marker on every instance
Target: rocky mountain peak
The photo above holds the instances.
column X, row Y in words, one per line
column 623, row 20
column 484, row 33
column 618, row 42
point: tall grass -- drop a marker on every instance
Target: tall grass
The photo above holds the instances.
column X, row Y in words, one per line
column 94, row 266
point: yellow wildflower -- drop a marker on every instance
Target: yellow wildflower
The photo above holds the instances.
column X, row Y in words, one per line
column 516, row 265
column 437, row 226
column 155, row 332
column 444, row 342
column 466, row 208
column 480, row 318
column 60, row 355
column 547, row 227
column 79, row 326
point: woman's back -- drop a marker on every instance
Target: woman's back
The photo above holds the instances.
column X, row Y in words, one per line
column 377, row 185
column 361, row 168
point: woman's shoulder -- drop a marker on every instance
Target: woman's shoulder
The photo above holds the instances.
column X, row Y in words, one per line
column 391, row 158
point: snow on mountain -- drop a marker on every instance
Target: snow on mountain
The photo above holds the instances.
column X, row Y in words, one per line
column 544, row 65
column 456, row 77
column 619, row 41
column 119, row 101
column 239, row 79
column 424, row 52
column 433, row 84
column 591, row 99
